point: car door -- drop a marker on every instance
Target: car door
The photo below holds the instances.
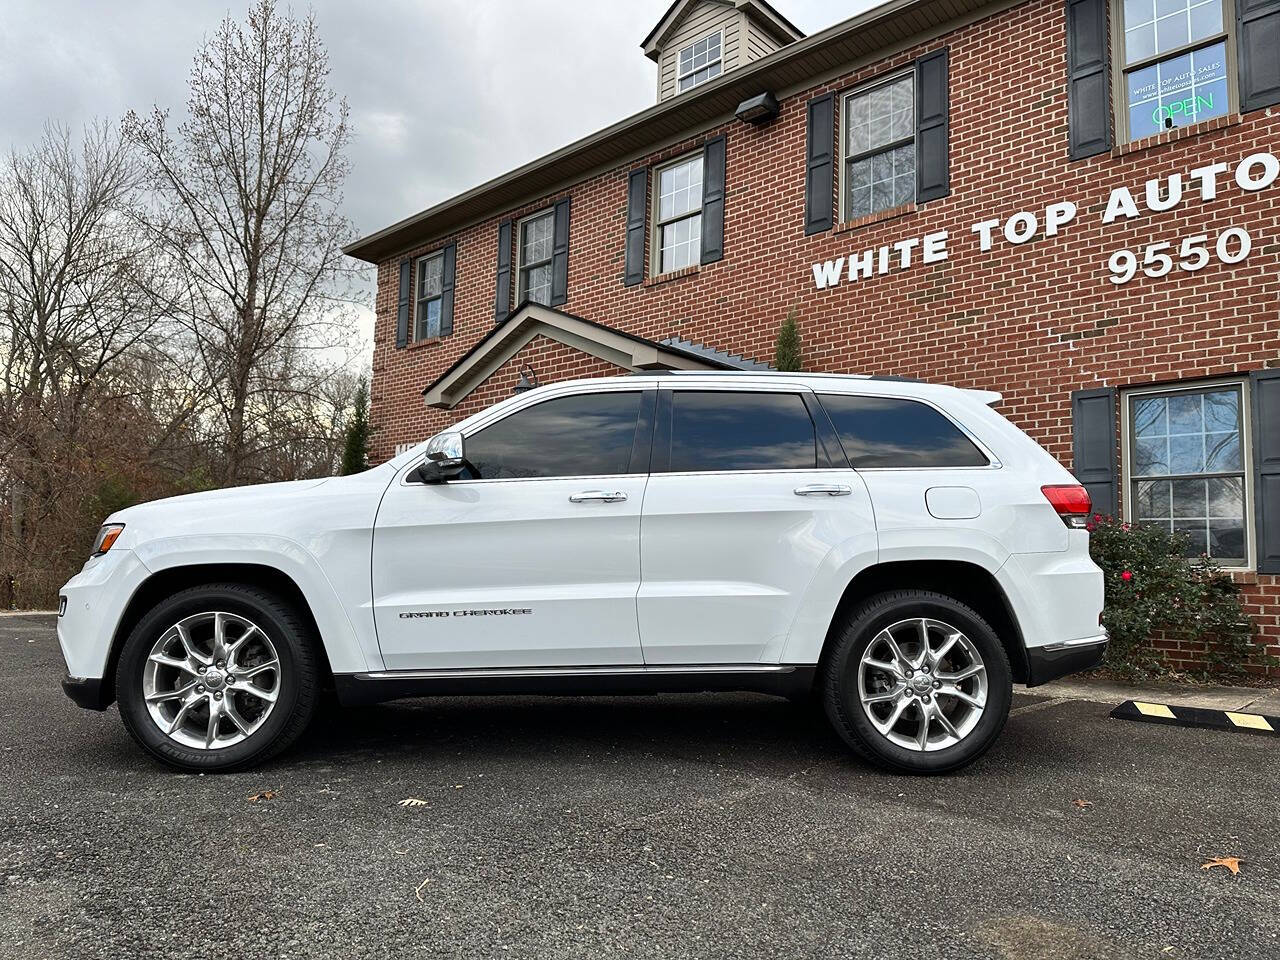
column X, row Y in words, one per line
column 749, row 492
column 531, row 560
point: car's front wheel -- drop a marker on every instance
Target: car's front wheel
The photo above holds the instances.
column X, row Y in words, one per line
column 218, row 677
column 917, row 682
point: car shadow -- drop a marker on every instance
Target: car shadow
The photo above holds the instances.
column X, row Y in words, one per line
column 685, row 725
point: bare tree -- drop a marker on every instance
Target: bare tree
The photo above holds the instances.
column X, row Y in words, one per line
column 79, row 306
column 249, row 188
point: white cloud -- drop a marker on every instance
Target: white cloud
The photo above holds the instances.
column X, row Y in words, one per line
column 388, row 131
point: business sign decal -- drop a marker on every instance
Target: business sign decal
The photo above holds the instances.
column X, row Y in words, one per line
column 1254, row 173
column 1174, row 93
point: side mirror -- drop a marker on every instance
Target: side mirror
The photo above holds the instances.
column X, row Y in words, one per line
column 430, row 471
column 447, row 448
column 445, row 459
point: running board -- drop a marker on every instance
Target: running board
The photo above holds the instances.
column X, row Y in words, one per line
column 383, row 685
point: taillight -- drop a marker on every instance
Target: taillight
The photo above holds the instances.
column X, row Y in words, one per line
column 1072, row 503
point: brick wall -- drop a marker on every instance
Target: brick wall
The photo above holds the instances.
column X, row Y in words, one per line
column 1033, row 321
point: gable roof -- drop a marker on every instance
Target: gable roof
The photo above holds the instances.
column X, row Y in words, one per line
column 531, row 320
column 765, row 15
column 862, row 38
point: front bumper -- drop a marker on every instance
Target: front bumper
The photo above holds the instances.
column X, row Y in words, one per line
column 1060, row 659
column 85, row 692
column 91, row 604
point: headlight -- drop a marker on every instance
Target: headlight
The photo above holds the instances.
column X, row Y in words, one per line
column 107, row 535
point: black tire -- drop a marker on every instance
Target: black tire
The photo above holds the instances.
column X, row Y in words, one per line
column 299, row 681
column 840, row 681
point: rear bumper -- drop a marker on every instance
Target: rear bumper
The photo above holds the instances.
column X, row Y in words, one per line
column 1060, row 659
column 85, row 692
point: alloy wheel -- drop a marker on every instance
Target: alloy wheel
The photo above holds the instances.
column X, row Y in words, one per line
column 211, row 680
column 922, row 684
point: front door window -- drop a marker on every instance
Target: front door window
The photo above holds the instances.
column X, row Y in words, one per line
column 587, row 435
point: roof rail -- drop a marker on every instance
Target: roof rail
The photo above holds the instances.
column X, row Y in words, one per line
column 773, row 373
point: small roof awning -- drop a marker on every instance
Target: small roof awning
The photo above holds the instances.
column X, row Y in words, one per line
column 532, row 320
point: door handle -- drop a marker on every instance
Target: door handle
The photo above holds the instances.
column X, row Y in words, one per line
column 597, row 496
column 824, row 489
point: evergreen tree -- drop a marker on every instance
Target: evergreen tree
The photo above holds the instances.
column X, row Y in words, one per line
column 355, row 450
column 786, row 356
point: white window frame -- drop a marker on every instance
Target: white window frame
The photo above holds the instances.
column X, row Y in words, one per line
column 655, row 240
column 1120, row 85
column 1128, row 483
column 682, row 74
column 418, row 299
column 842, row 127
column 523, row 269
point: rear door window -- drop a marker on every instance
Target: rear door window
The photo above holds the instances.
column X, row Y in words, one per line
column 723, row 430
column 896, row 432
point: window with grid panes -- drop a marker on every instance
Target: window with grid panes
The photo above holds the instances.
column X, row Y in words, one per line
column 534, row 256
column 879, row 131
column 1187, row 467
column 678, row 223
column 700, row 61
column 1176, row 63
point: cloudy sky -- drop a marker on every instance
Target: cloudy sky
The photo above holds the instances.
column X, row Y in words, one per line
column 444, row 94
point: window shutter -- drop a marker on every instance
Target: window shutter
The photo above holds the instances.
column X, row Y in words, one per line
column 1258, row 29
column 402, row 305
column 1088, row 78
column 560, row 255
column 448, row 271
column 713, row 200
column 820, row 164
column 933, row 150
column 1094, row 453
column 502, row 297
column 1265, row 389
column 637, row 198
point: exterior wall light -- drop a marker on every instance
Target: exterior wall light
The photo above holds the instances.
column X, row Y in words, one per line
column 758, row 109
column 528, row 380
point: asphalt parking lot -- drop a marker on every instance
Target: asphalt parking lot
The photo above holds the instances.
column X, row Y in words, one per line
column 701, row 826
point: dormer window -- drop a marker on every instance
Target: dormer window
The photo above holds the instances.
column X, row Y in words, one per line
column 699, row 40
column 700, row 61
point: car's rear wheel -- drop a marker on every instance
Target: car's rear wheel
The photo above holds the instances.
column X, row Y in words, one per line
column 917, row 682
column 218, row 677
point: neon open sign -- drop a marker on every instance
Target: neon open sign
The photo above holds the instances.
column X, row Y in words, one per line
column 1182, row 109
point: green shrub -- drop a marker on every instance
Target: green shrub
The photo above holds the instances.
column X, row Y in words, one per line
column 786, row 353
column 1152, row 587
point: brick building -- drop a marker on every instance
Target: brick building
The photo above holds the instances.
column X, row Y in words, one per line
column 1076, row 204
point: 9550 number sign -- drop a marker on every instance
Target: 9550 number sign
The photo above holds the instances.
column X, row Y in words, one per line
column 1194, row 253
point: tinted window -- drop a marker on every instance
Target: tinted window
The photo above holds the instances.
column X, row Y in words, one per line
column 741, row 431
column 888, row 432
column 580, row 436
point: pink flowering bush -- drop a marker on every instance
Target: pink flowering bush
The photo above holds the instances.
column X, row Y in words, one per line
column 1152, row 587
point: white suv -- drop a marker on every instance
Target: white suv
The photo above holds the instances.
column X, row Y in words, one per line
column 897, row 549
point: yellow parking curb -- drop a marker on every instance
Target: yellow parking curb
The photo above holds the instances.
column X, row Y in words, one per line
column 1251, row 720
column 1196, row 717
